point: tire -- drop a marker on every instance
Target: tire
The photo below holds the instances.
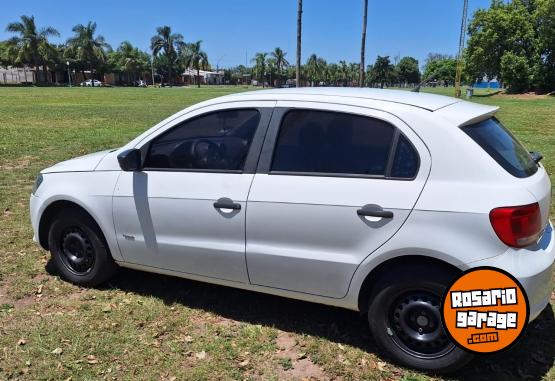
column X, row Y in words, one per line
column 79, row 250
column 404, row 315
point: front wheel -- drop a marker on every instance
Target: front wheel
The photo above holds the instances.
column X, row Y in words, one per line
column 79, row 250
column 405, row 320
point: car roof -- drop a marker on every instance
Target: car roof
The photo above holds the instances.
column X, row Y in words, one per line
column 430, row 102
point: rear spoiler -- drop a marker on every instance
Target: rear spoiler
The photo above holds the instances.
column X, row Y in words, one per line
column 465, row 113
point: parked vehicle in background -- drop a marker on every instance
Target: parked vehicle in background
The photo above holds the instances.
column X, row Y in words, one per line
column 371, row 200
column 140, row 83
column 89, row 83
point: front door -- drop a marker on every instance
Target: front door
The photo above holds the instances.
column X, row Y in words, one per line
column 334, row 187
column 185, row 211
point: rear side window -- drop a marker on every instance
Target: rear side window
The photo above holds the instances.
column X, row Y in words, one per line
column 214, row 141
column 313, row 141
column 502, row 146
column 406, row 161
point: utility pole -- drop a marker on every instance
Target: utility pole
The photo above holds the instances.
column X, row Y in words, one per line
column 363, row 45
column 458, row 75
column 299, row 27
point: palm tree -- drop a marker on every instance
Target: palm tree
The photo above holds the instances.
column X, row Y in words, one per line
column 280, row 62
column 299, row 26
column 344, row 72
column 31, row 45
column 363, row 45
column 129, row 60
column 195, row 57
column 168, row 42
column 316, row 69
column 87, row 48
column 260, row 66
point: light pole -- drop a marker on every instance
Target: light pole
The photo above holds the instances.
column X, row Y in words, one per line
column 152, row 68
column 68, row 73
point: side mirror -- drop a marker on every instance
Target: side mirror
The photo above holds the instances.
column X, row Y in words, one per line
column 130, row 160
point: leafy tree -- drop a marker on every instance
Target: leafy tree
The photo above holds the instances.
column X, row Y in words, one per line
column 169, row 44
column 30, row 46
column 504, row 27
column 86, row 48
column 408, row 71
column 383, row 71
column 193, row 56
column 440, row 67
column 129, row 60
column 259, row 69
column 544, row 69
column 280, row 62
column 4, row 56
column 515, row 72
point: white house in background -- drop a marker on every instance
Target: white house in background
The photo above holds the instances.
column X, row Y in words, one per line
column 16, row 75
column 206, row 77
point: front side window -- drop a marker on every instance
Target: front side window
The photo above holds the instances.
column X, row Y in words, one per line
column 215, row 141
column 312, row 141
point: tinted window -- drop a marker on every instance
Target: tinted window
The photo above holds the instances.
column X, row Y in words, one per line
column 406, row 161
column 329, row 142
column 218, row 140
column 502, row 146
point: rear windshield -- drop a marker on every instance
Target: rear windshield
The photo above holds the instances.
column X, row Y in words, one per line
column 502, row 146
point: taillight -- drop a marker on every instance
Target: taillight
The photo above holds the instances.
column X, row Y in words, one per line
column 517, row 226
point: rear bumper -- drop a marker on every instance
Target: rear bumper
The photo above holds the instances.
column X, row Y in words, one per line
column 532, row 266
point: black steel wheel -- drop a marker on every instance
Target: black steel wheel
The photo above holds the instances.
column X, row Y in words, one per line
column 79, row 249
column 416, row 320
column 404, row 315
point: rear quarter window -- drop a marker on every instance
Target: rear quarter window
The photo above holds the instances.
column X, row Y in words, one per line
column 502, row 146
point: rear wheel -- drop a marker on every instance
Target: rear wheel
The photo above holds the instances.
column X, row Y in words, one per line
column 79, row 250
column 405, row 319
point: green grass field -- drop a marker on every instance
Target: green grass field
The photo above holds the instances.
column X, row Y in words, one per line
column 145, row 326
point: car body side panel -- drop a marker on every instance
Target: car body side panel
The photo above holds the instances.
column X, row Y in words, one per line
column 90, row 190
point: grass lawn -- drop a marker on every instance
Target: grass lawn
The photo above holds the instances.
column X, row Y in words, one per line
column 145, row 326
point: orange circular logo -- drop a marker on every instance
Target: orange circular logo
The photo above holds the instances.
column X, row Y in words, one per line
column 485, row 310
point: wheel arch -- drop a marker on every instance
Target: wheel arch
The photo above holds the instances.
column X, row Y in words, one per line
column 370, row 283
column 50, row 212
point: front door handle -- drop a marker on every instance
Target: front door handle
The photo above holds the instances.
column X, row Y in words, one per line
column 375, row 213
column 226, row 203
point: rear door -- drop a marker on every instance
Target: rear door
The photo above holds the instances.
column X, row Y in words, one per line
column 331, row 187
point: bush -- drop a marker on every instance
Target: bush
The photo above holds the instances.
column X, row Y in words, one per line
column 515, row 72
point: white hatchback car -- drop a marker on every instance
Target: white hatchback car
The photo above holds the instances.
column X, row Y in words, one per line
column 371, row 200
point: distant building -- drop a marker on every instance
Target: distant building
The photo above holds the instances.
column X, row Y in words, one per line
column 16, row 75
column 485, row 83
column 189, row 77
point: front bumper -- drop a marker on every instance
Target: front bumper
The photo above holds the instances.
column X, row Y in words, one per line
column 34, row 211
column 532, row 266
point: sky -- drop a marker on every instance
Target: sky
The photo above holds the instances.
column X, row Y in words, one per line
column 232, row 31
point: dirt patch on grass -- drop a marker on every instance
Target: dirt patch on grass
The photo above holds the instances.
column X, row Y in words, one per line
column 523, row 96
column 295, row 365
column 21, row 163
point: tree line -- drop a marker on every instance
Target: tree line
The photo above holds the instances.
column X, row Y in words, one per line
column 511, row 41
column 88, row 51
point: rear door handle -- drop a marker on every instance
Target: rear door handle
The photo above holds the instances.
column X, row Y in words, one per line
column 226, row 203
column 375, row 213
